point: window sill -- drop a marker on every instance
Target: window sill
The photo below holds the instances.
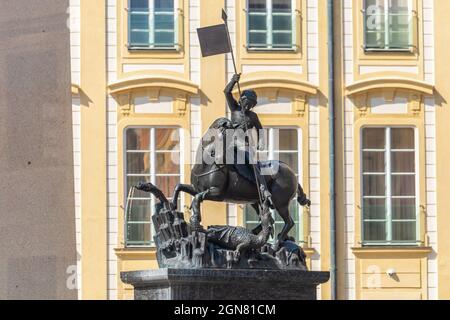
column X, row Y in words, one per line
column 407, row 51
column 166, row 50
column 268, row 50
column 391, row 250
column 136, row 253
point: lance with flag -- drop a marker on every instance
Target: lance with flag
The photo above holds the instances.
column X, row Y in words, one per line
column 215, row 40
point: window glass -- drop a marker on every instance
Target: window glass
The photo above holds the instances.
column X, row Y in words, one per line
column 270, row 24
column 152, row 24
column 389, row 200
column 388, row 24
column 152, row 155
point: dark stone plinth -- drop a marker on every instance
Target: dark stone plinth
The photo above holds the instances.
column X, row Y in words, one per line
column 224, row 284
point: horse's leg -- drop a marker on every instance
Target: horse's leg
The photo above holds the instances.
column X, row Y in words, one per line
column 181, row 188
column 196, row 217
column 288, row 224
column 212, row 193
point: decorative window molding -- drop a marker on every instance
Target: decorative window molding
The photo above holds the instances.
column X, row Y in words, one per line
column 389, row 83
column 392, row 90
column 274, row 80
column 168, row 80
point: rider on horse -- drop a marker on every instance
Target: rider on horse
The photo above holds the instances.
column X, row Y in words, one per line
column 242, row 118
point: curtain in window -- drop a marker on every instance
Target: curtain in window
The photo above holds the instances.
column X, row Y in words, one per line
column 152, row 155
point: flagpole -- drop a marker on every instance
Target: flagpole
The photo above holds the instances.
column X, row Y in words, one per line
column 225, row 20
column 258, row 183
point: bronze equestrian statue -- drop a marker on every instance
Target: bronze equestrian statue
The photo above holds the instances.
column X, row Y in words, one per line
column 235, row 182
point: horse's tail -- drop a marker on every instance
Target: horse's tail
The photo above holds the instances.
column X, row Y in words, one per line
column 302, row 199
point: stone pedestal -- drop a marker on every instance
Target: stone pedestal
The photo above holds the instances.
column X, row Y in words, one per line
column 224, row 284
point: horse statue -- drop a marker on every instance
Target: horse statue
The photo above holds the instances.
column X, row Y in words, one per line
column 225, row 183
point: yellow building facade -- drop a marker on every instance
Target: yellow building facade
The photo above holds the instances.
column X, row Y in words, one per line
column 143, row 95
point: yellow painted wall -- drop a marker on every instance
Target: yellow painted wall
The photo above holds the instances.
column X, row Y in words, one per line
column 411, row 264
column 93, row 150
column 442, row 44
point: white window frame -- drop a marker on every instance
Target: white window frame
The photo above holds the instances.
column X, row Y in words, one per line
column 387, row 46
column 271, row 156
column 152, row 176
column 151, row 25
column 269, row 30
column 388, row 174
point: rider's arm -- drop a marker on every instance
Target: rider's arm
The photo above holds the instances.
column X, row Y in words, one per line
column 232, row 103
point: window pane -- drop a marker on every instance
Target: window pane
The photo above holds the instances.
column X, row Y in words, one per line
column 139, row 38
column 374, row 209
column 164, row 22
column 404, row 231
column 281, row 5
column 282, row 23
column 403, row 185
column 139, row 5
column 287, row 138
column 282, row 40
column 168, row 162
column 403, row 162
column 167, row 184
column 374, row 231
column 257, row 22
column 374, row 138
column 167, row 139
column 399, row 6
column 291, row 159
column 257, row 39
column 374, row 185
column 402, row 138
column 164, row 38
column 138, row 163
column 138, row 139
column 373, row 161
column 140, row 210
column 134, row 181
column 139, row 232
column 294, row 233
column 250, row 214
column 294, row 209
column 399, row 40
column 257, row 5
column 403, row 209
column 375, row 39
column 139, row 21
column 163, row 5
column 374, row 24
